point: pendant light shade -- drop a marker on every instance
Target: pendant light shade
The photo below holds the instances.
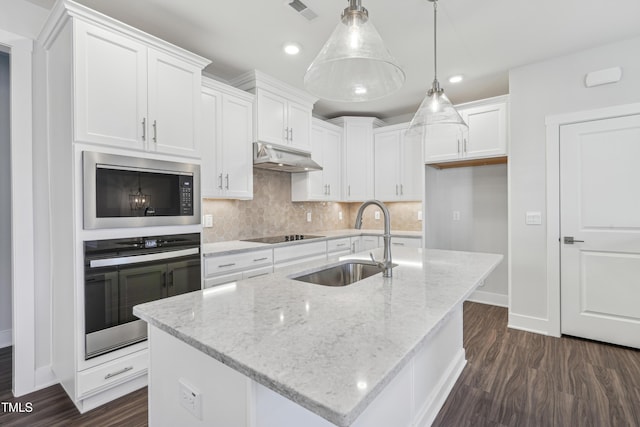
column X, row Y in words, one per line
column 354, row 65
column 435, row 109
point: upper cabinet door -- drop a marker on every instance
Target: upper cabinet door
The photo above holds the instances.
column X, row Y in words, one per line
column 272, row 118
column 332, row 164
column 174, row 105
column 442, row 143
column 299, row 126
column 386, row 146
column 110, row 88
column 237, row 149
column 211, row 136
column 411, row 168
column 487, row 130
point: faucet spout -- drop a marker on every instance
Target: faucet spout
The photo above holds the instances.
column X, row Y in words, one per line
column 386, row 262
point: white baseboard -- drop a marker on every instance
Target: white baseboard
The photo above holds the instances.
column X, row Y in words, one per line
column 529, row 324
column 490, row 298
column 6, row 338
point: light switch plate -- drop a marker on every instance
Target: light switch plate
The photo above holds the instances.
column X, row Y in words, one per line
column 533, row 218
column 376, row 215
column 308, row 216
column 208, row 221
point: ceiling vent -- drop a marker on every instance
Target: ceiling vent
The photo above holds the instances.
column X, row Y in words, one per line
column 303, row 10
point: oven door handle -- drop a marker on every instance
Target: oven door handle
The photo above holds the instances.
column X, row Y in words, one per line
column 110, row 262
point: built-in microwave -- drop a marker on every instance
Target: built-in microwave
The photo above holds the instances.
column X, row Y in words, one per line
column 123, row 191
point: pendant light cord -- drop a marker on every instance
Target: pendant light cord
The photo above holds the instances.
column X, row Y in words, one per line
column 435, row 41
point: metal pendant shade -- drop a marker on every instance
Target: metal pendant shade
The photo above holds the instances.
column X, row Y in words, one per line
column 354, row 65
column 435, row 109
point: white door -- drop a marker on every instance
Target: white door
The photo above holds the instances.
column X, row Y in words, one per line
column 600, row 210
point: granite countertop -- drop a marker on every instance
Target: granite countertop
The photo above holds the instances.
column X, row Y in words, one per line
column 317, row 345
column 234, row 246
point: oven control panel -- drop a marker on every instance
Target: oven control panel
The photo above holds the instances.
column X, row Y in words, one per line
column 186, row 195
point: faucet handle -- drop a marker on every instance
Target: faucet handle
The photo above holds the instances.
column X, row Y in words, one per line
column 372, row 258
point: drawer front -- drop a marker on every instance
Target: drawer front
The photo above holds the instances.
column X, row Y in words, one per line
column 369, row 242
column 303, row 250
column 256, row 272
column 216, row 265
column 222, row 279
column 408, row 242
column 112, row 373
column 338, row 245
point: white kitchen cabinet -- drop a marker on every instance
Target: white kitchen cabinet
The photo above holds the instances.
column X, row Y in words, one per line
column 326, row 150
column 369, row 242
column 407, row 242
column 397, row 164
column 106, row 84
column 282, row 112
column 357, row 157
column 131, row 93
column 485, row 137
column 338, row 247
column 286, row 256
column 227, row 130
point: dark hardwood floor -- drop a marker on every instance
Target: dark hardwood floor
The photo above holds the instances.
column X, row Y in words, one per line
column 512, row 378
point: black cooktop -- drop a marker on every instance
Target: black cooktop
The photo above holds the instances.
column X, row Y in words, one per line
column 281, row 239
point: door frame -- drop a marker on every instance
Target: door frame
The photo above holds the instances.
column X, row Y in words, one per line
column 553, row 124
column 22, row 226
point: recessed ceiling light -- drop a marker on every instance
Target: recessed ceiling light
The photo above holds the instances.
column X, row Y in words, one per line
column 292, row 48
column 455, row 79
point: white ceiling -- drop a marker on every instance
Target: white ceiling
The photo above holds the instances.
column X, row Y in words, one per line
column 480, row 39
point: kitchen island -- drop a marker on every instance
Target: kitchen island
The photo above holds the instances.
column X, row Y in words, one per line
column 273, row 351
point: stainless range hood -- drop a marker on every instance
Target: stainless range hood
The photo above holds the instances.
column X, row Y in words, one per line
column 282, row 158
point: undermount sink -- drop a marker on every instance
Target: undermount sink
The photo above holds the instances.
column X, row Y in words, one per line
column 342, row 274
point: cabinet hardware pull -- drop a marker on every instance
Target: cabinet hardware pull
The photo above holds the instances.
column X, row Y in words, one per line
column 227, row 265
column 401, row 190
column 227, row 184
column 155, row 131
column 144, row 128
column 458, row 146
column 291, row 134
column 348, row 190
column 171, row 278
column 464, row 145
column 341, row 244
column 164, row 280
column 257, row 275
column 397, row 243
column 329, row 186
column 396, row 189
column 220, row 178
column 325, row 189
column 260, row 259
column 116, row 373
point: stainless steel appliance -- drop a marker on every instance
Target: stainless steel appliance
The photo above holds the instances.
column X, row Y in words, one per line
column 283, row 238
column 282, row 158
column 122, row 191
column 120, row 273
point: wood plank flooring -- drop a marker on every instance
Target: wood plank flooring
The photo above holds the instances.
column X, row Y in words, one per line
column 512, row 378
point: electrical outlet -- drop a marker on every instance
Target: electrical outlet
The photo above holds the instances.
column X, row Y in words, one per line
column 340, row 215
column 419, row 215
column 190, row 399
column 208, row 221
column 376, row 215
column 309, row 216
column 456, row 215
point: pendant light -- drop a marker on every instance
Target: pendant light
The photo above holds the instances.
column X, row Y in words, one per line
column 435, row 109
column 354, row 65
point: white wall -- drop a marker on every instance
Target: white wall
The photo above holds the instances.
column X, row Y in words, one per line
column 480, row 195
column 551, row 87
column 5, row 204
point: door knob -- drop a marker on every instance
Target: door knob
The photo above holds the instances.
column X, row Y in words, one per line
column 569, row 240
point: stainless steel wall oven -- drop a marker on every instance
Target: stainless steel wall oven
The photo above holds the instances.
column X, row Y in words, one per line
column 123, row 191
column 120, row 273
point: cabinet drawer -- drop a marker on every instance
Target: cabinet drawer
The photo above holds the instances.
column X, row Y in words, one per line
column 222, row 279
column 123, row 369
column 263, row 271
column 338, row 245
column 215, row 265
column 296, row 251
column 408, row 242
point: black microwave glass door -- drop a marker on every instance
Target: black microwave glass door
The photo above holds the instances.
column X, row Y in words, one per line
column 165, row 192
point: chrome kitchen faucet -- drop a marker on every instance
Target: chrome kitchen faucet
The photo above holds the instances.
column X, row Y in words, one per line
column 386, row 262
